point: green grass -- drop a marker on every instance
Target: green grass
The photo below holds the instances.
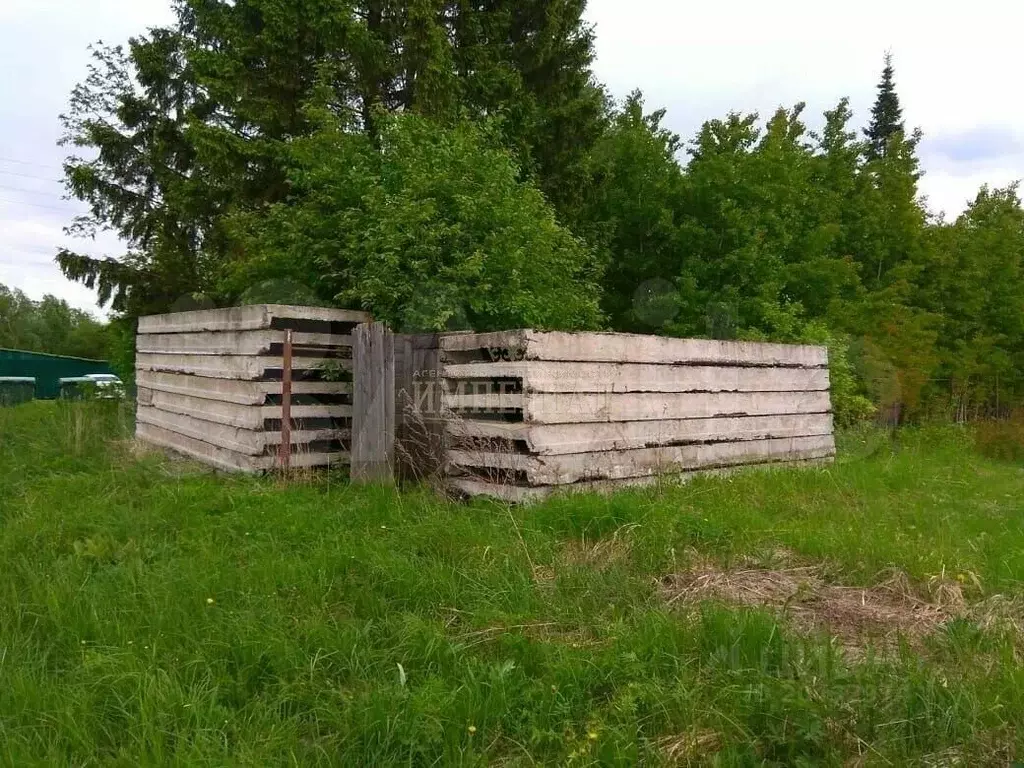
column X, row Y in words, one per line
column 154, row 614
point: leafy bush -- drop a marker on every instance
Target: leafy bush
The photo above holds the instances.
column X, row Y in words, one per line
column 433, row 230
column 849, row 404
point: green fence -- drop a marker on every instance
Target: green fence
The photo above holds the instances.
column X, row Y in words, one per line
column 47, row 370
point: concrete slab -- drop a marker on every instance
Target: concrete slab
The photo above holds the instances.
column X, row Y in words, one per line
column 255, row 317
column 555, row 439
column 514, row 494
column 238, row 367
column 234, row 342
column 542, row 376
column 513, row 346
column 232, row 414
column 231, row 461
column 588, row 408
column 231, row 391
column 642, row 462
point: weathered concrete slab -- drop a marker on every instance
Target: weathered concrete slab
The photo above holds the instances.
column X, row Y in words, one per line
column 541, row 376
column 514, row 346
column 231, row 461
column 518, row 494
column 231, row 391
column 207, row 453
column 554, row 439
column 232, row 414
column 250, row 318
column 234, row 342
column 644, row 462
column 249, row 442
column 588, row 408
column 238, row 367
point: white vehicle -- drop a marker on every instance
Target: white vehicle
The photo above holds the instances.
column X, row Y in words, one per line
column 105, row 386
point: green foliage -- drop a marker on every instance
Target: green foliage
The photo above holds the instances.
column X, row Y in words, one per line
column 184, row 129
column 630, row 212
column 50, row 326
column 975, row 285
column 452, row 164
column 886, row 114
column 433, row 230
column 154, row 613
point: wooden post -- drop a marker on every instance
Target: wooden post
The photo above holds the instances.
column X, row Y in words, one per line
column 285, row 449
column 373, row 404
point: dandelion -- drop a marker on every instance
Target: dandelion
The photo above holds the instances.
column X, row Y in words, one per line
column 209, row 601
column 472, row 730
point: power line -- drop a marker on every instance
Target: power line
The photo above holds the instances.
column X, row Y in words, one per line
column 25, row 162
column 44, row 192
column 29, row 176
column 33, row 205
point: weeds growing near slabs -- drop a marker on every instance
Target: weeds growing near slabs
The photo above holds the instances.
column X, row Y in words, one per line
column 153, row 612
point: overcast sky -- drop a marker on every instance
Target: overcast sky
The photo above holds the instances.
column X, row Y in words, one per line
column 957, row 66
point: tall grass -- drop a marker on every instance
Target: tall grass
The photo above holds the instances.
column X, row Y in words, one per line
column 151, row 614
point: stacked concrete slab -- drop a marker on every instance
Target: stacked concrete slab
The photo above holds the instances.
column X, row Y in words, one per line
column 210, row 385
column 533, row 412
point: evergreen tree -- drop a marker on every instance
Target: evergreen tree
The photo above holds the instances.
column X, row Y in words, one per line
column 193, row 122
column 886, row 114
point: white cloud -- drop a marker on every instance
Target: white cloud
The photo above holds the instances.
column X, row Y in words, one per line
column 957, row 68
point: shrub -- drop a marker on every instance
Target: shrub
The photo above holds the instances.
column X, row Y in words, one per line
column 432, row 230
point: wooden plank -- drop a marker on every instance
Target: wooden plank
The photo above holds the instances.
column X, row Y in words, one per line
column 373, row 419
column 586, row 408
column 233, row 414
column 643, row 462
column 540, row 376
column 231, row 391
column 512, row 346
column 257, row 342
column 518, row 494
column 250, row 318
column 230, row 461
column 238, row 367
column 553, row 439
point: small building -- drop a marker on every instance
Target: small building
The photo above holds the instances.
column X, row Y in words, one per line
column 47, row 370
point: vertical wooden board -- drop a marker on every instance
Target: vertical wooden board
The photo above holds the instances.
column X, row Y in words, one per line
column 373, row 417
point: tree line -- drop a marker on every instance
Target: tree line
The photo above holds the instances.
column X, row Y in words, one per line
column 453, row 164
column 50, row 326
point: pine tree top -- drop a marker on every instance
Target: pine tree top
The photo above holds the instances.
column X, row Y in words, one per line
column 886, row 114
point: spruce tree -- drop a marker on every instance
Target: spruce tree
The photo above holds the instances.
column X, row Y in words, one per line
column 886, row 115
column 192, row 123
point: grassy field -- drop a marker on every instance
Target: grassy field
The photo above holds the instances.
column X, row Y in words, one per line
column 153, row 613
